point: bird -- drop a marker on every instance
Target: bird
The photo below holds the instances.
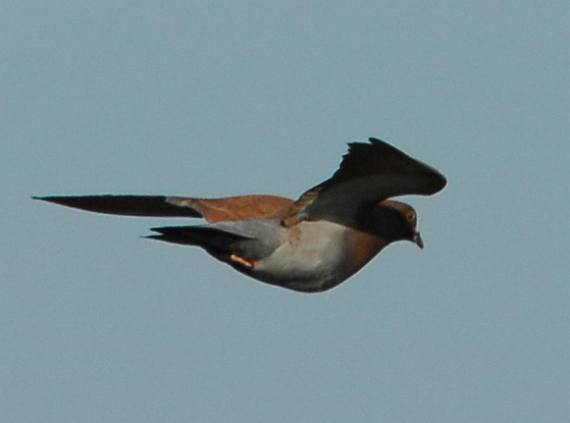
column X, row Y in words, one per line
column 307, row 245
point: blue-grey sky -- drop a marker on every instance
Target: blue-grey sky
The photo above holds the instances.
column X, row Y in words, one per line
column 226, row 98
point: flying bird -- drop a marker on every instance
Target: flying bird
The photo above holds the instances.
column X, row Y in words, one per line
column 309, row 245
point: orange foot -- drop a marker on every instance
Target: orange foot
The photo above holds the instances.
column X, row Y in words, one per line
column 246, row 263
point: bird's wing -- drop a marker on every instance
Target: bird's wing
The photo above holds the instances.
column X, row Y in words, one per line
column 246, row 207
column 126, row 205
column 213, row 210
column 368, row 173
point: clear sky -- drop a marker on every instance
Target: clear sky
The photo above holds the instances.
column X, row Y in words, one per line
column 240, row 97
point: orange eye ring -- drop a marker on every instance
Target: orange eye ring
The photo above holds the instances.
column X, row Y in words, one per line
column 410, row 216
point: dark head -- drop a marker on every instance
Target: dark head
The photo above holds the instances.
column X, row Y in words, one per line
column 394, row 221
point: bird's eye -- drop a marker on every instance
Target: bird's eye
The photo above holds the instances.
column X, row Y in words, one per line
column 410, row 216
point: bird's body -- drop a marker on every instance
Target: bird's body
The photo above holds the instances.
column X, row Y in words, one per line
column 311, row 257
column 309, row 245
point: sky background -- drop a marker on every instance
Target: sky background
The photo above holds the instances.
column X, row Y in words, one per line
column 225, row 98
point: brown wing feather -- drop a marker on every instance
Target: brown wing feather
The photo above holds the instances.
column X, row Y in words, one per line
column 237, row 208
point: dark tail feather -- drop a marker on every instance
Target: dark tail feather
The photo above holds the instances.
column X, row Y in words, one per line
column 127, row 205
column 202, row 236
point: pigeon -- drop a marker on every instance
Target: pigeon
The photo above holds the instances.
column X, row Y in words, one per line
column 309, row 245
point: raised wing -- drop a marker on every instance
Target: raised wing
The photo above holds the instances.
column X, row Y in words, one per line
column 368, row 173
column 213, row 210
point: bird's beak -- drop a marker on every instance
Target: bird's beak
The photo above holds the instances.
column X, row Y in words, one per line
column 418, row 240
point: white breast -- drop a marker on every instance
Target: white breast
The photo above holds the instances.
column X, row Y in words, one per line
column 313, row 255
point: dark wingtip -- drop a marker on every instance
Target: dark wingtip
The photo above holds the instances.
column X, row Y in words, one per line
column 68, row 201
column 443, row 181
column 50, row 199
column 440, row 183
column 124, row 205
